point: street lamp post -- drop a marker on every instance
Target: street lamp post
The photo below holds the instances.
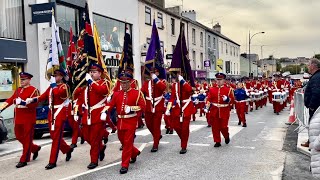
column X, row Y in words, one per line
column 250, row 38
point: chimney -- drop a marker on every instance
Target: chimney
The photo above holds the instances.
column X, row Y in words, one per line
column 217, row 28
column 191, row 14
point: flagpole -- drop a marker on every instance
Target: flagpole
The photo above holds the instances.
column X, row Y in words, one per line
column 52, row 94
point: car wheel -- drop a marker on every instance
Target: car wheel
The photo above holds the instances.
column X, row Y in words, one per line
column 38, row 135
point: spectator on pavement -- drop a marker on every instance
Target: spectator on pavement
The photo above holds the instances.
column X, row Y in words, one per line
column 311, row 101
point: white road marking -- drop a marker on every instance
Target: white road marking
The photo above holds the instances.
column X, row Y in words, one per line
column 100, row 168
column 261, row 122
column 244, row 147
column 197, row 144
column 193, row 128
column 7, row 159
column 272, row 134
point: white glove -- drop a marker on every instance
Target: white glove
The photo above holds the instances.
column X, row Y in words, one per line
column 194, row 95
column 103, row 116
column 88, row 77
column 248, row 94
column 167, row 113
column 18, row 100
column 178, row 101
column 29, row 100
column 154, row 76
column 282, row 86
column 205, row 110
column 108, row 99
column 204, row 94
column 180, row 78
column 127, row 109
column 224, row 97
column 76, row 118
column 52, row 80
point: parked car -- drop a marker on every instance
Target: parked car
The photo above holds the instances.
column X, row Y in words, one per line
column 42, row 125
column 3, row 131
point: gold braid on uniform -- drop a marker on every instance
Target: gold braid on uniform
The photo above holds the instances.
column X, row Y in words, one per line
column 106, row 108
column 3, row 105
column 169, row 106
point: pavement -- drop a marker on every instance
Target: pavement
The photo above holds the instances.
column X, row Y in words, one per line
column 255, row 152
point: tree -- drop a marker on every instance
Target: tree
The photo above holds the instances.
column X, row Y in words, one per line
column 278, row 66
column 317, row 56
column 293, row 69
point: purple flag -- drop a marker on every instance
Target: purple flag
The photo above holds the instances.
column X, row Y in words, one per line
column 154, row 55
column 180, row 60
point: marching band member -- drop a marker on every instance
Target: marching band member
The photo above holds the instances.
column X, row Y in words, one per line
column 241, row 97
column 218, row 102
column 25, row 118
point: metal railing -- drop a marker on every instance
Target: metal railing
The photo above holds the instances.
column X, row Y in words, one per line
column 301, row 112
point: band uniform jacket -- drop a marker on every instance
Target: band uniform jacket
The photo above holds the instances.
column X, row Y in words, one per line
column 24, row 114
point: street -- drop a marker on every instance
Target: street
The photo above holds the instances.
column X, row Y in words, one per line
column 255, row 152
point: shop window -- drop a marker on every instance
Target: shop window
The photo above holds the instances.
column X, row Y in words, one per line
column 111, row 33
column 11, row 19
column 67, row 16
column 9, row 79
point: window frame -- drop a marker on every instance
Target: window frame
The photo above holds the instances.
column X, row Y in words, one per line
column 145, row 15
column 173, row 26
column 23, row 25
column 160, row 18
column 201, row 39
column 193, row 34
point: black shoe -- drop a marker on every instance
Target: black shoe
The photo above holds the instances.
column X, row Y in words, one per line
column 140, row 127
column 154, row 149
column 171, row 132
column 82, row 140
column 246, row 112
column 277, row 113
column 68, row 157
column 123, row 170
column 51, row 166
column 244, row 125
column 113, row 131
column 227, row 140
column 200, row 116
column 21, row 164
column 251, row 110
column 102, row 154
column 35, row 154
column 133, row 160
column 121, row 148
column 274, row 111
column 167, row 131
column 105, row 140
column 217, row 145
column 92, row 165
column 239, row 123
column 183, row 151
column 209, row 126
column 160, row 137
column 73, row 146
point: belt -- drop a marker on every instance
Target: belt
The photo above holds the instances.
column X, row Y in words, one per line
column 21, row 107
column 241, row 101
column 220, row 105
column 127, row 116
column 155, row 99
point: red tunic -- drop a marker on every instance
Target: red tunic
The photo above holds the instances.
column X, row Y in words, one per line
column 24, row 114
column 60, row 95
column 182, row 96
column 120, row 99
column 215, row 96
column 157, row 90
column 97, row 96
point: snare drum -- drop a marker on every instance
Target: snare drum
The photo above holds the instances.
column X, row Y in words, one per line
column 252, row 95
column 256, row 96
column 261, row 94
column 276, row 96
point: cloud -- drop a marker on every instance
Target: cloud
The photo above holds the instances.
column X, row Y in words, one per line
column 291, row 26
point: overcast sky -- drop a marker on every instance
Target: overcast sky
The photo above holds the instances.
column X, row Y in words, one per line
column 292, row 26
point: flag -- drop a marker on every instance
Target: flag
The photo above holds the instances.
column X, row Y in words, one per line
column 154, row 56
column 180, row 58
column 86, row 49
column 56, row 58
column 126, row 57
column 99, row 52
column 72, row 54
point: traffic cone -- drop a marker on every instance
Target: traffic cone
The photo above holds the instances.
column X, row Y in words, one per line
column 292, row 118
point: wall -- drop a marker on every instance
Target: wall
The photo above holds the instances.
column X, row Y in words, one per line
column 234, row 59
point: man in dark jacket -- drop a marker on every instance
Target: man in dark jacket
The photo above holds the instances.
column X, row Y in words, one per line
column 312, row 91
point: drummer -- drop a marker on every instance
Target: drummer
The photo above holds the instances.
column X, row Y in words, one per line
column 278, row 85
